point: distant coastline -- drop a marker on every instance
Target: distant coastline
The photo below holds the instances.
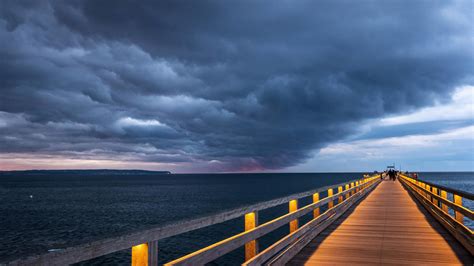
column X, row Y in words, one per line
column 87, row 171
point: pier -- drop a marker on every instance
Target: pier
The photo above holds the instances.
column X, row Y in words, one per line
column 363, row 221
column 386, row 228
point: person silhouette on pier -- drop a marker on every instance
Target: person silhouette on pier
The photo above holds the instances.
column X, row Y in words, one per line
column 391, row 175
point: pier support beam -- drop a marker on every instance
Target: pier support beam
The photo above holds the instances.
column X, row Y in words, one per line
column 251, row 248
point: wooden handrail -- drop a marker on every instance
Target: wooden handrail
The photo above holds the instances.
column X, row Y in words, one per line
column 223, row 247
column 456, row 207
column 438, row 206
column 106, row 246
column 461, row 193
column 468, row 213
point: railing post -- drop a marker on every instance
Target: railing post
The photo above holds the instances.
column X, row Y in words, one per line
column 340, row 198
column 251, row 247
column 293, row 206
column 347, row 188
column 145, row 254
column 435, row 200
column 458, row 200
column 357, row 189
column 153, row 253
column 444, row 195
column 330, row 194
column 352, row 186
column 316, row 199
column 428, row 187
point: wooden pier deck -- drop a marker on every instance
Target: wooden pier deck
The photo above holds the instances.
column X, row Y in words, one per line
column 388, row 227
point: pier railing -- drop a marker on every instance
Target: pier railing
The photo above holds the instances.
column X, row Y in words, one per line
column 450, row 213
column 144, row 244
column 284, row 249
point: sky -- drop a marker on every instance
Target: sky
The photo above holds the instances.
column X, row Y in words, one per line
column 237, row 86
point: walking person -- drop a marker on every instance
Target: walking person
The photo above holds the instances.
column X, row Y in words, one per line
column 391, row 174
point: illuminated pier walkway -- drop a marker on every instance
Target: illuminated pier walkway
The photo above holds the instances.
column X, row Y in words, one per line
column 363, row 221
column 388, row 227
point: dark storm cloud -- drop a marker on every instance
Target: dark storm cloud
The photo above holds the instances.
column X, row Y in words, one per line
column 241, row 85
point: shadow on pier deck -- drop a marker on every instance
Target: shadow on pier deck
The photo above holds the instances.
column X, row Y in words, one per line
column 388, row 227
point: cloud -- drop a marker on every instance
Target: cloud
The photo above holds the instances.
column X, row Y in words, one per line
column 460, row 108
column 436, row 138
column 128, row 121
column 450, row 150
column 209, row 86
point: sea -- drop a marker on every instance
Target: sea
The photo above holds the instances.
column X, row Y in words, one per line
column 48, row 210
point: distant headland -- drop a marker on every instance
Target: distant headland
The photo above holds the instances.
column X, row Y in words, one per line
column 87, row 172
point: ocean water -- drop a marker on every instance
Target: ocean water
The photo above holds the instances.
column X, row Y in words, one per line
column 56, row 210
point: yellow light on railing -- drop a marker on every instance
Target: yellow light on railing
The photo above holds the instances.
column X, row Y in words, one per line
column 435, row 191
column 428, row 187
column 330, row 194
column 444, row 195
column 251, row 247
column 459, row 217
column 315, row 199
column 340, row 198
column 140, row 255
column 293, row 206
